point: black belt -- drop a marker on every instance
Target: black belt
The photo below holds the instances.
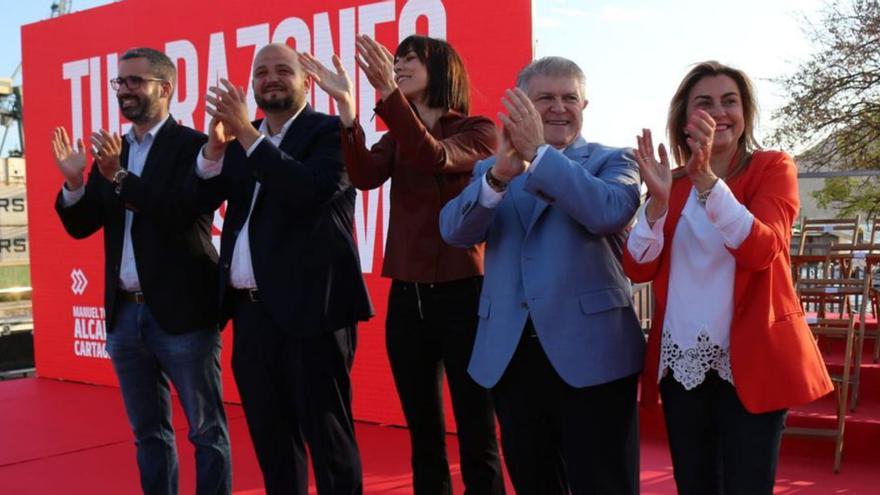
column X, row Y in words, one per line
column 249, row 295
column 132, row 297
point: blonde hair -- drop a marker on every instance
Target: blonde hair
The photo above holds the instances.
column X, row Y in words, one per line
column 677, row 117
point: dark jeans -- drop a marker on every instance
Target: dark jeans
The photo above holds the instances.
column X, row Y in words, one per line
column 717, row 446
column 145, row 358
column 431, row 328
column 297, row 392
column 557, row 437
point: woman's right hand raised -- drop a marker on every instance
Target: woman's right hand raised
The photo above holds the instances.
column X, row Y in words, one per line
column 377, row 63
column 337, row 84
column 656, row 174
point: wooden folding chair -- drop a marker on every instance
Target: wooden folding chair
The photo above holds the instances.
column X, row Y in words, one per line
column 838, row 328
column 816, row 245
column 872, row 267
column 812, row 230
column 643, row 302
column 863, row 257
column 841, row 299
column 836, row 301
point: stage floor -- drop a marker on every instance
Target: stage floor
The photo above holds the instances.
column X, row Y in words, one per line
column 70, row 438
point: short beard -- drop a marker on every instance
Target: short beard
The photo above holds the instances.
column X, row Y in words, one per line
column 277, row 105
column 141, row 113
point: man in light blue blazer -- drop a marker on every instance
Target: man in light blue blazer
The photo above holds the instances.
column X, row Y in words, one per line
column 558, row 341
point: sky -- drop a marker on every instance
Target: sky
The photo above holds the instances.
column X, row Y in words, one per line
column 633, row 52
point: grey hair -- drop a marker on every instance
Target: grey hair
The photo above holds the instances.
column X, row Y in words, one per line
column 161, row 66
column 554, row 67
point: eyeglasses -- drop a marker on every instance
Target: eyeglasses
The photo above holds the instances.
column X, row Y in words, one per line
column 131, row 82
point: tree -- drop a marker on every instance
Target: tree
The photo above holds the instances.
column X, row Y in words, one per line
column 850, row 196
column 833, row 107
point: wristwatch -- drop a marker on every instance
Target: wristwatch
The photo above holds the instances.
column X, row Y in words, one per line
column 118, row 177
column 496, row 184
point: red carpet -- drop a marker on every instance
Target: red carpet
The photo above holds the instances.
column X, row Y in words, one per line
column 59, row 437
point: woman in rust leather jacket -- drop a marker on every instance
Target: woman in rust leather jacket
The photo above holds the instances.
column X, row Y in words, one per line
column 428, row 153
column 730, row 350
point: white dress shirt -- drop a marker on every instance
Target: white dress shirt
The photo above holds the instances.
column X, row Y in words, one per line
column 241, row 270
column 699, row 308
column 137, row 158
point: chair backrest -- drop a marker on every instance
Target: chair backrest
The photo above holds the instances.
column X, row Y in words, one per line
column 825, row 296
column 819, row 234
column 874, row 239
column 643, row 303
column 831, row 240
column 848, row 296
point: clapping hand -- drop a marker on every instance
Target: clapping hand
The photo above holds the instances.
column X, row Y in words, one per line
column 228, row 105
column 218, row 138
column 522, row 124
column 71, row 162
column 107, row 148
column 508, row 163
column 377, row 63
column 336, row 84
column 656, row 174
column 700, row 131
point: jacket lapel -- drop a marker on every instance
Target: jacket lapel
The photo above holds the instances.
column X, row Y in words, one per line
column 296, row 132
column 123, row 162
column 159, row 149
column 578, row 152
column 291, row 140
column 523, row 202
column 123, row 157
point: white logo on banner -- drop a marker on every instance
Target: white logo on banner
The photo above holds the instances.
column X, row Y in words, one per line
column 89, row 332
column 79, row 281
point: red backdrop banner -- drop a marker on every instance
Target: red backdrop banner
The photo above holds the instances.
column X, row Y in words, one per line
column 67, row 65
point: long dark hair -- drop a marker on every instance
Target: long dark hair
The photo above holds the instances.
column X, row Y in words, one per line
column 677, row 117
column 448, row 85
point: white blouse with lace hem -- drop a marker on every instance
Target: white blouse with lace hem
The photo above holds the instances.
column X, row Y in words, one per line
column 699, row 309
column 689, row 366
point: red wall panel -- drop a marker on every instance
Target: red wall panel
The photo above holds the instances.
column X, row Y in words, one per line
column 68, row 62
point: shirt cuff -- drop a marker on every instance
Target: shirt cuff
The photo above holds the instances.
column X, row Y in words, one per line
column 540, row 154
column 70, row 198
column 207, row 169
column 254, row 146
column 489, row 198
column 645, row 242
column 732, row 219
column 652, row 231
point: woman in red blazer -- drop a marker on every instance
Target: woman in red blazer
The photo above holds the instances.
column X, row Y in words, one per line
column 428, row 153
column 730, row 349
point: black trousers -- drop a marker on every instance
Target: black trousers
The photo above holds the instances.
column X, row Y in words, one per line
column 717, row 446
column 297, row 392
column 431, row 328
column 557, row 437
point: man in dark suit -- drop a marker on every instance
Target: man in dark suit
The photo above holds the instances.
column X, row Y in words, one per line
column 290, row 274
column 161, row 272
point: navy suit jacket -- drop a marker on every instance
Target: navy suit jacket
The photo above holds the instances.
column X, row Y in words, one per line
column 171, row 236
column 301, row 229
column 552, row 254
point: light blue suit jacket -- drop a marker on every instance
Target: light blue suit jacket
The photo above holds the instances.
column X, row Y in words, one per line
column 552, row 253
